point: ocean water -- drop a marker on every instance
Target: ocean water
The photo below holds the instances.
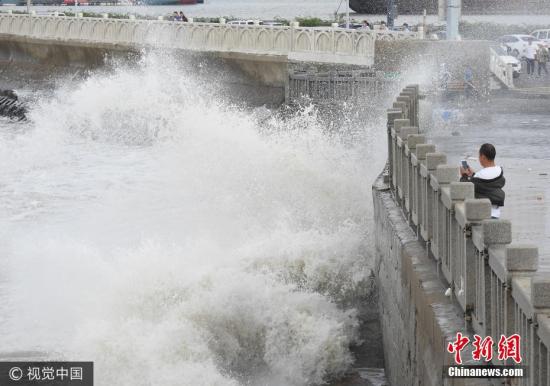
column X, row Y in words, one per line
column 176, row 239
column 288, row 9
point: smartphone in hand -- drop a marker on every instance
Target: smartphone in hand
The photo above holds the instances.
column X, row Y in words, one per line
column 465, row 165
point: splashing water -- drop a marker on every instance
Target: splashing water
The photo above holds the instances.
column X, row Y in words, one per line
column 175, row 240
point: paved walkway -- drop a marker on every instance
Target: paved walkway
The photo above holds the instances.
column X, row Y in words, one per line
column 522, row 140
column 533, row 83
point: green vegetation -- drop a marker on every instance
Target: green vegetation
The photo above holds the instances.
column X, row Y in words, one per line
column 313, row 22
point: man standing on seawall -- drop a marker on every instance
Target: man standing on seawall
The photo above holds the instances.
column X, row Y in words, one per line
column 542, row 58
column 489, row 181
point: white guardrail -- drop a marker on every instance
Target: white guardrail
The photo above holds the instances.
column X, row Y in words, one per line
column 502, row 70
column 328, row 44
column 495, row 282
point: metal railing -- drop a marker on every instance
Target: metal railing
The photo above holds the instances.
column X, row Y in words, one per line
column 323, row 44
column 496, row 283
column 365, row 85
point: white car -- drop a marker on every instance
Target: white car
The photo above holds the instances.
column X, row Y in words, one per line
column 241, row 22
column 516, row 44
column 543, row 35
column 507, row 59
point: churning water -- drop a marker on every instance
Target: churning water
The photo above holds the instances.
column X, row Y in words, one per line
column 175, row 239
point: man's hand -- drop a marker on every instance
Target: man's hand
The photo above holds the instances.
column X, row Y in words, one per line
column 466, row 172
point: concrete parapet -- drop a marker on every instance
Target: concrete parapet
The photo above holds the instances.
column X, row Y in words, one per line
column 393, row 114
column 414, row 140
column 445, row 174
column 406, row 131
column 497, row 231
column 477, row 210
column 522, row 257
column 403, row 107
column 435, row 159
column 540, row 290
column 423, row 149
column 462, row 190
column 398, row 124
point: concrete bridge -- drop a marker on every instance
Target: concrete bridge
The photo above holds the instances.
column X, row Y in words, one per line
column 445, row 266
column 324, row 45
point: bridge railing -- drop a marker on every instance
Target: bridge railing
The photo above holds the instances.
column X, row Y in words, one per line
column 496, row 283
column 324, row 43
column 502, row 70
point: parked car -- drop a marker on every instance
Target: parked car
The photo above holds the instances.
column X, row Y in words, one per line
column 507, row 59
column 241, row 22
column 351, row 25
column 516, row 44
column 272, row 23
column 543, row 35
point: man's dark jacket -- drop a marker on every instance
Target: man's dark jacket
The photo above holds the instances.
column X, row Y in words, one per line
column 491, row 189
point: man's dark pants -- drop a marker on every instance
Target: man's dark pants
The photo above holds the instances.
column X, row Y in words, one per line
column 530, row 66
column 542, row 66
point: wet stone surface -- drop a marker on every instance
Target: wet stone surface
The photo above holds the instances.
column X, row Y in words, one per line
column 519, row 129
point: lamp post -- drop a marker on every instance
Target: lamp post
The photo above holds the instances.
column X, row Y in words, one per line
column 453, row 18
column 347, row 15
column 391, row 13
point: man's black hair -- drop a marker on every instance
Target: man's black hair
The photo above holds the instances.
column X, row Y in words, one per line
column 488, row 151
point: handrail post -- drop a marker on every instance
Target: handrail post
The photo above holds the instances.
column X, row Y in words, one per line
column 421, row 178
column 398, row 124
column 393, row 114
column 413, row 141
column 444, row 176
column 433, row 160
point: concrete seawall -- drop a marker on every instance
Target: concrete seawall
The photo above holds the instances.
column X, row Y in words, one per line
column 445, row 267
column 417, row 319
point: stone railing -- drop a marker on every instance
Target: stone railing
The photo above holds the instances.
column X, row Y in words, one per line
column 502, row 70
column 496, row 283
column 298, row 43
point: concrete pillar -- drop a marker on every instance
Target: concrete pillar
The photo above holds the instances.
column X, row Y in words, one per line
column 421, row 32
column 190, row 20
column 222, row 20
column 403, row 107
column 477, row 210
column 521, row 258
column 393, row 114
column 453, row 18
column 460, row 191
column 433, row 160
column 397, row 163
column 106, row 16
column 496, row 231
column 33, row 13
column 10, row 11
column 446, row 174
column 540, row 290
column 256, row 22
column 423, row 149
column 132, row 17
column 404, row 134
column 334, row 25
column 295, row 24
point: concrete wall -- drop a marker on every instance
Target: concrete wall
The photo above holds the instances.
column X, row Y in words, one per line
column 417, row 318
column 256, row 79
